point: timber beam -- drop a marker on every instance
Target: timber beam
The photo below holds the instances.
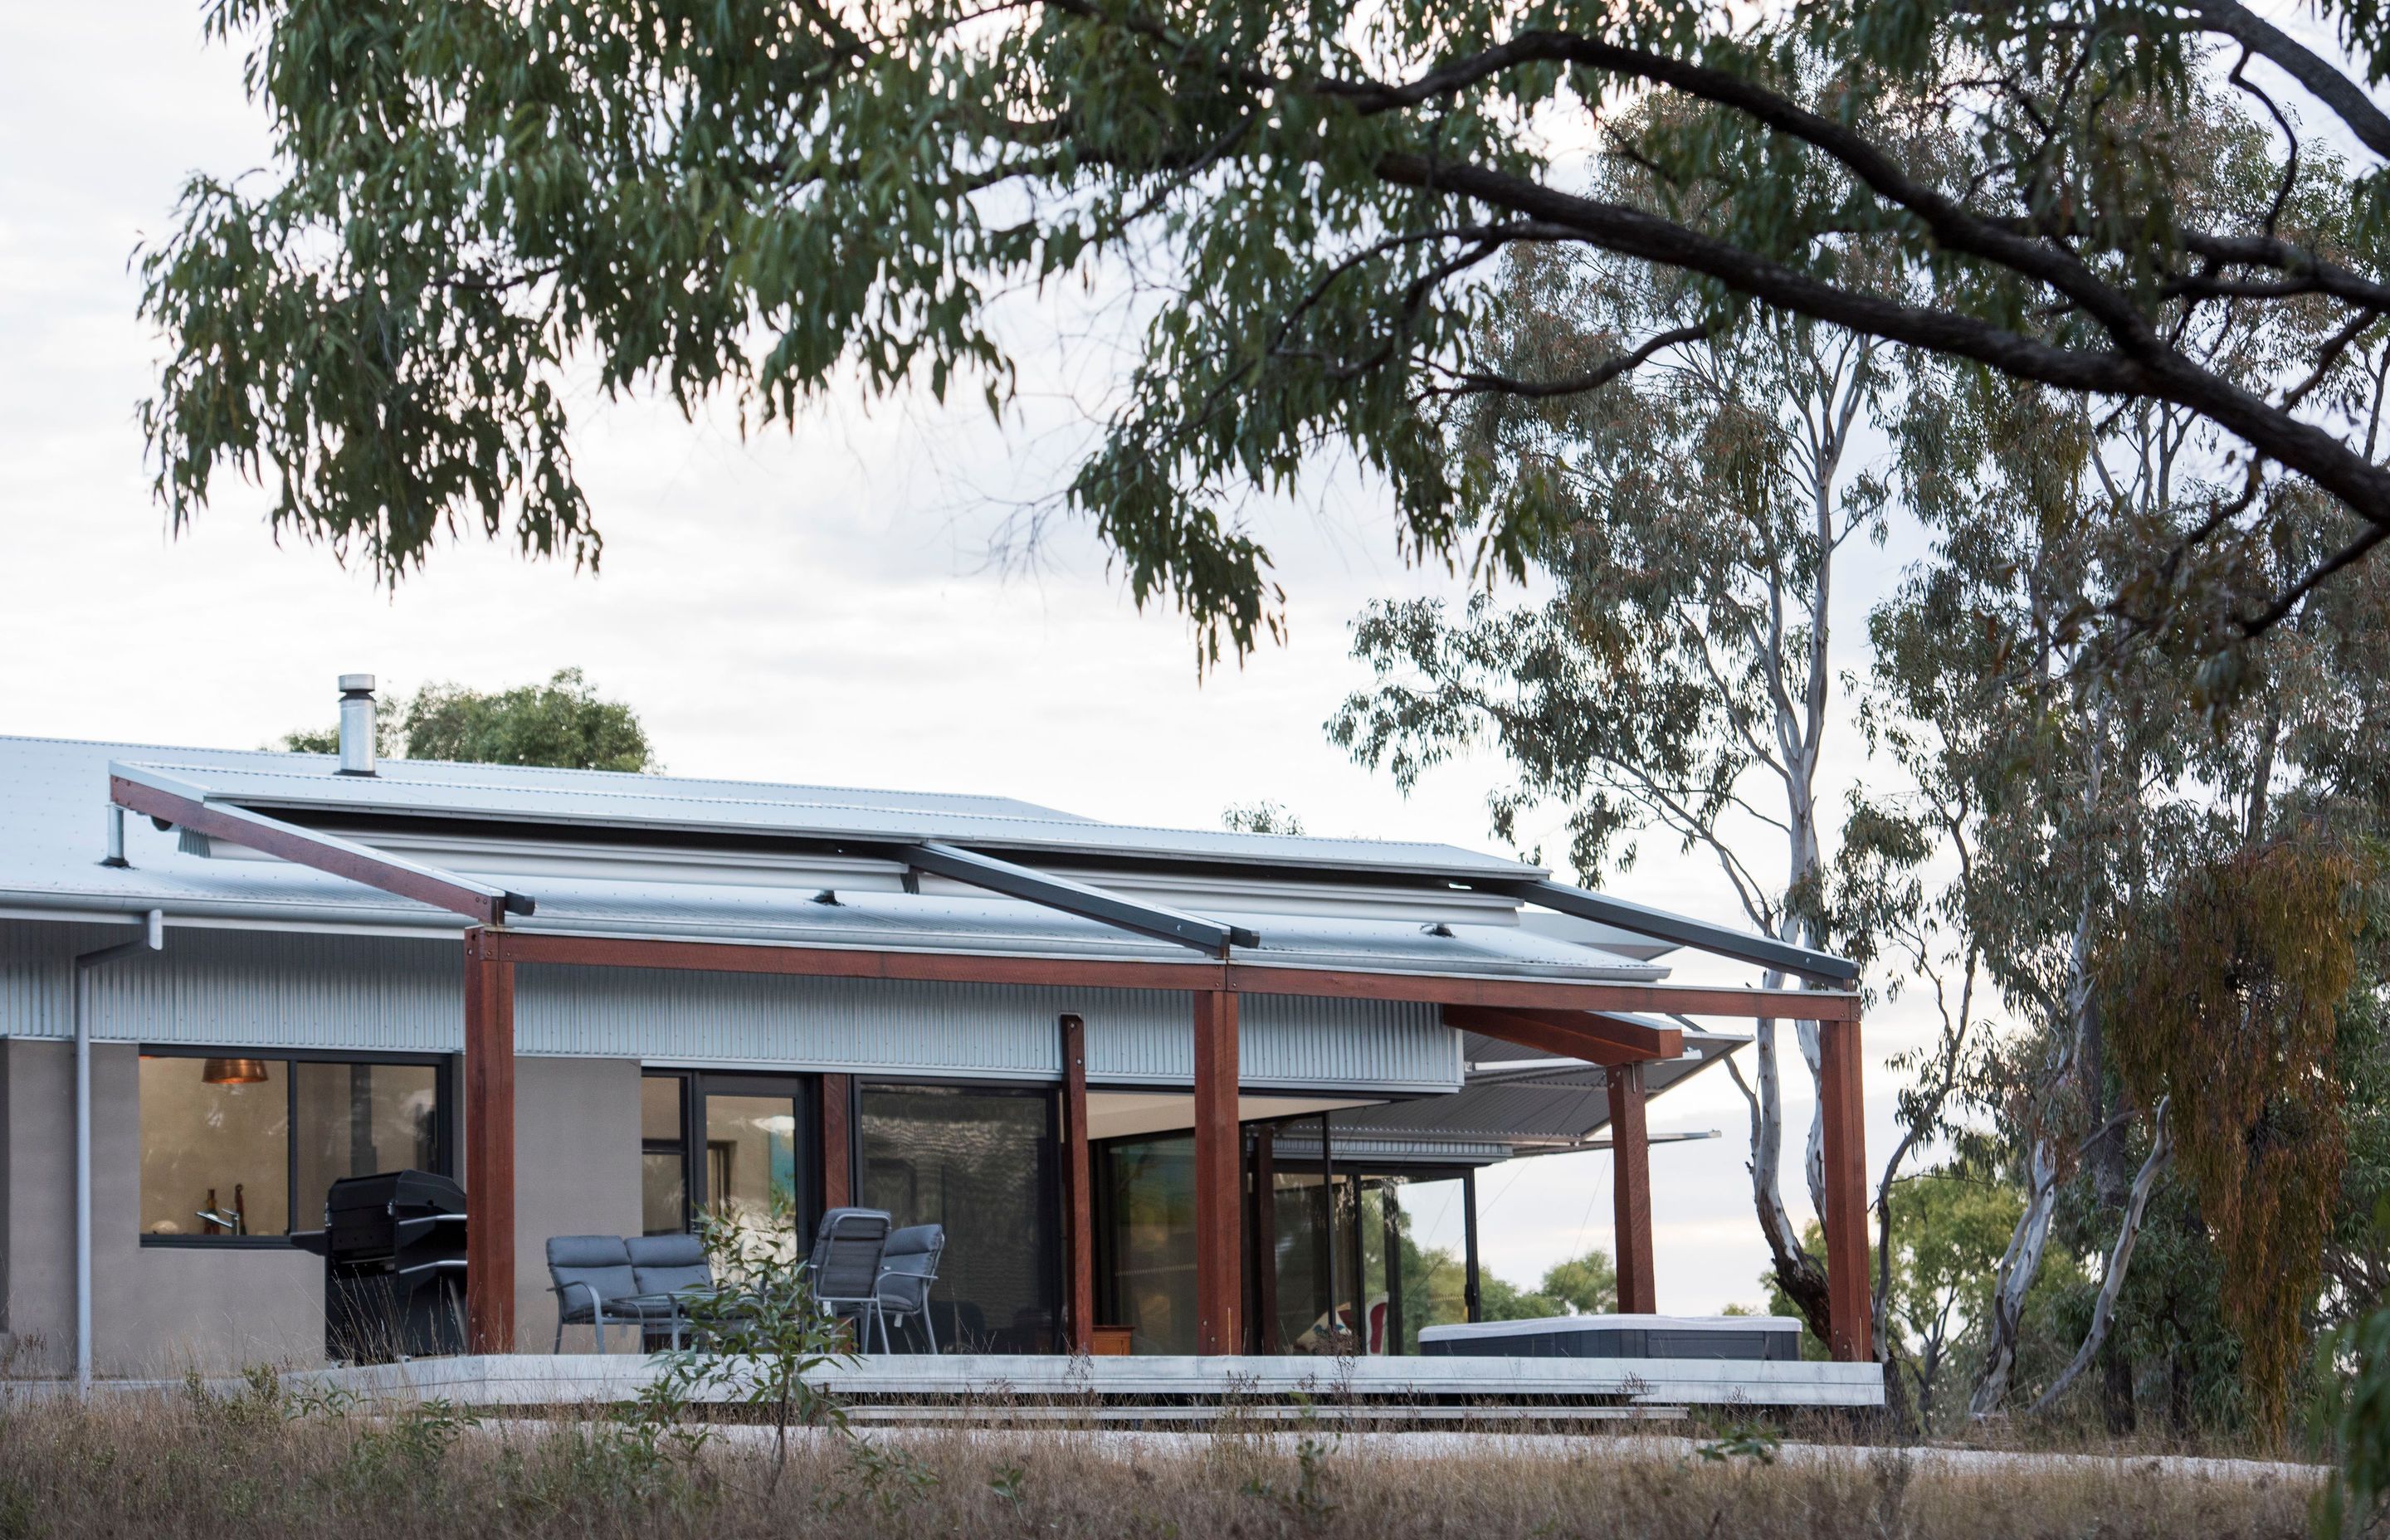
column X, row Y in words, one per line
column 1598, row 1039
column 172, row 804
column 1529, row 995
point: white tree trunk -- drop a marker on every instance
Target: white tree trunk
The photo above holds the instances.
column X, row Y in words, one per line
column 1814, row 1158
column 2120, row 1261
column 2019, row 1265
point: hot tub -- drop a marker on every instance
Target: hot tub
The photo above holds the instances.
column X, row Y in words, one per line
column 1763, row 1339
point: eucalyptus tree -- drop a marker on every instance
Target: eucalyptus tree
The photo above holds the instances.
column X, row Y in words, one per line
column 474, row 213
column 1680, row 678
column 2111, row 795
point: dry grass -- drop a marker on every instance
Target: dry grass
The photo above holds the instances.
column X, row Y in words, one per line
column 259, row 1467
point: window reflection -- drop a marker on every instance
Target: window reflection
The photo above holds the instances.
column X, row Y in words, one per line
column 982, row 1164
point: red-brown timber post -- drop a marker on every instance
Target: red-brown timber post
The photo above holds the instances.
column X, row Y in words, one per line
column 1219, row 1262
column 836, row 1141
column 1844, row 1104
column 489, row 1145
column 1630, row 1176
column 1078, row 1191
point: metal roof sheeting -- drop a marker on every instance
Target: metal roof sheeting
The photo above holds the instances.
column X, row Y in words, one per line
column 51, row 840
column 516, row 795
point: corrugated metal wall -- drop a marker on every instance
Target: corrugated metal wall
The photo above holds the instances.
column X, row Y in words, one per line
column 265, row 989
column 985, row 1031
column 302, row 991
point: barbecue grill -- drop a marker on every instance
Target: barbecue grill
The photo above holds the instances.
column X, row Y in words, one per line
column 394, row 1250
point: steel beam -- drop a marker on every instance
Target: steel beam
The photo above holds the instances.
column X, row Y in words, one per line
column 1083, row 899
column 1722, row 940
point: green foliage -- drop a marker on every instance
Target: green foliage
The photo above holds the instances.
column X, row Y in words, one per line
column 1731, row 1441
column 2355, row 1415
column 2227, row 1004
column 1262, row 817
column 563, row 724
column 758, row 1334
column 1582, row 1285
column 1306, row 1503
column 470, row 210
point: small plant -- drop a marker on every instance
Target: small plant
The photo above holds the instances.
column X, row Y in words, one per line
column 1307, row 1502
column 325, row 1402
column 420, row 1437
column 1739, row 1440
column 759, row 1335
column 1006, row 1484
column 887, row 1477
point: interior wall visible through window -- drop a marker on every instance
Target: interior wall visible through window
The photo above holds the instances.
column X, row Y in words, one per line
column 237, row 1147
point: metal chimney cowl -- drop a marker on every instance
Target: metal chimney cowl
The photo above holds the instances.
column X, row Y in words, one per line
column 358, row 723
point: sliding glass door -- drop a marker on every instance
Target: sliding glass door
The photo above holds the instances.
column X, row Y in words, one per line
column 979, row 1162
column 738, row 1145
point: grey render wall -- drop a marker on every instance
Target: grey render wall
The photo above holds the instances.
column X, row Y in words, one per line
column 155, row 1311
column 297, row 990
column 576, row 1173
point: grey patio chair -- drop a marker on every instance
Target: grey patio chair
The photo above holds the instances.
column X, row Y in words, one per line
column 591, row 1277
column 908, row 1267
column 843, row 1269
column 674, row 1269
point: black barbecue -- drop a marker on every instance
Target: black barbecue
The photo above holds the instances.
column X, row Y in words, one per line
column 394, row 1250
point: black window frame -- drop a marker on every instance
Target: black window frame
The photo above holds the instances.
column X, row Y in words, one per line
column 1049, row 1197
column 443, row 1125
column 802, row 1087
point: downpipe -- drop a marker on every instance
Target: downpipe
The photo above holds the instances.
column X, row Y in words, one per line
column 153, row 940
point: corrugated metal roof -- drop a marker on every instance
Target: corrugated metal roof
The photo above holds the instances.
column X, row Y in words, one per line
column 53, row 795
column 514, row 794
column 1565, row 1107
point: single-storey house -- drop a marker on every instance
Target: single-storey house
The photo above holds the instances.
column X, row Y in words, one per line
column 1219, row 1089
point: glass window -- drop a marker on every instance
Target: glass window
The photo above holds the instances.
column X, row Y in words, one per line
column 750, row 1157
column 215, row 1147
column 1432, row 1221
column 663, row 1155
column 236, row 1145
column 982, row 1164
column 353, row 1119
column 1313, row 1281
column 1150, row 1210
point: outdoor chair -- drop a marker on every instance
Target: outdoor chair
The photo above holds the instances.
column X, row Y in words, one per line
column 843, row 1268
column 908, row 1267
column 673, row 1270
column 595, row 1286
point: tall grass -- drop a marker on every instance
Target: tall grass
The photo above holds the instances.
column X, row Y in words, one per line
column 265, row 1465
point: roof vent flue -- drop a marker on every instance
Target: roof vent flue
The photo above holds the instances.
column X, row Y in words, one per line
column 358, row 723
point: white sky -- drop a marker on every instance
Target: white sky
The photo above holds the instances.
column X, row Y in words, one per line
column 810, row 607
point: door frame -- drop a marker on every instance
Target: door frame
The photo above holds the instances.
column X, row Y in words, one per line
column 804, row 1091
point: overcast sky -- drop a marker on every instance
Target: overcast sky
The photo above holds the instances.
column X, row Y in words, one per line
column 819, row 606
